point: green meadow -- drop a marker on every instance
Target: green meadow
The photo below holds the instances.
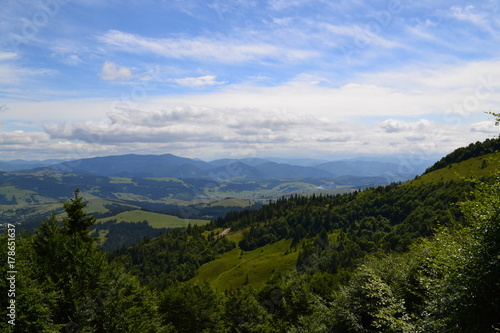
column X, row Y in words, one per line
column 155, row 220
column 237, row 268
column 476, row 167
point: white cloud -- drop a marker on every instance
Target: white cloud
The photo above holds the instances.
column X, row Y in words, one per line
column 485, row 127
column 469, row 14
column 73, row 59
column 252, row 132
column 225, row 50
column 110, row 71
column 207, row 80
column 7, row 56
column 13, row 75
column 397, row 126
column 22, row 138
column 185, row 124
column 284, row 4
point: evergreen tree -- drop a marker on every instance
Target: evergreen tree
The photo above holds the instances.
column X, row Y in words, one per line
column 77, row 222
column 66, row 284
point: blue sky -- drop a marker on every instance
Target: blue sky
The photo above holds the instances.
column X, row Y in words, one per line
column 241, row 78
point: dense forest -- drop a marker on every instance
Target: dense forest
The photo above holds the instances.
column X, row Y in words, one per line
column 396, row 258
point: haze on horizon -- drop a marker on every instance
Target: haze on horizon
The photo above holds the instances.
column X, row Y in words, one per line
column 247, row 78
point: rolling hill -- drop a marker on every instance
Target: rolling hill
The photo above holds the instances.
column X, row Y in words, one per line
column 246, row 169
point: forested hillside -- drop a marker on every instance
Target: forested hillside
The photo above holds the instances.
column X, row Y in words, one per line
column 422, row 256
column 464, row 153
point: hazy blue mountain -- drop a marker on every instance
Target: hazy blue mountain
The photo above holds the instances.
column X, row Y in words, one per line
column 360, row 168
column 133, row 165
column 298, row 161
column 248, row 161
column 18, row 165
column 168, row 165
column 279, row 170
column 236, row 171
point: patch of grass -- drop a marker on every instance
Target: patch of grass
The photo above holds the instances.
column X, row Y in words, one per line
column 131, row 197
column 235, row 236
column 216, row 231
column 237, row 268
column 166, row 179
column 102, row 237
column 155, row 220
column 477, row 167
column 120, row 180
column 231, row 202
column 295, row 187
column 96, row 205
column 23, row 197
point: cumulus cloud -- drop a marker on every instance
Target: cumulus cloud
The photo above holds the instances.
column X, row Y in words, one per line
column 233, row 131
column 110, row 71
column 397, row 126
column 22, row 138
column 184, row 124
column 485, row 127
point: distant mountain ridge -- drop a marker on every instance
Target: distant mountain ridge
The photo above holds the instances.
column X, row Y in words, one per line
column 246, row 169
column 17, row 165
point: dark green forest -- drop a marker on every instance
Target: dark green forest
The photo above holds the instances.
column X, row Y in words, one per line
column 396, row 258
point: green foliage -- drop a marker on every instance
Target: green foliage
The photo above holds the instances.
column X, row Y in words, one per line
column 190, row 307
column 496, row 116
column 124, row 234
column 171, row 257
column 65, row 283
column 242, row 312
column 368, row 304
column 445, row 283
column 77, row 222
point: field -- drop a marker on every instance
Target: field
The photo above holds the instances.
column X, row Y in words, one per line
column 237, row 268
column 154, row 219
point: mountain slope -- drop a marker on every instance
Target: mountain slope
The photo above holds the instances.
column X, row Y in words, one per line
column 332, row 233
column 476, row 167
column 476, row 149
column 169, row 165
column 130, row 165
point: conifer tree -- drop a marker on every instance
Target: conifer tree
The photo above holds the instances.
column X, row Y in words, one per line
column 77, row 222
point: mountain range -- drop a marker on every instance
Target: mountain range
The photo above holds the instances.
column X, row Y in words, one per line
column 245, row 169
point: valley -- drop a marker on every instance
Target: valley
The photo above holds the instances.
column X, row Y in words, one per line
column 169, row 191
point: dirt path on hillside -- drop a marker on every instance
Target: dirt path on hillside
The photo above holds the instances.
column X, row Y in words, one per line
column 224, row 232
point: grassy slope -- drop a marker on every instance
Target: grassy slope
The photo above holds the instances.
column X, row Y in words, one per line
column 237, row 268
column 23, row 197
column 476, row 167
column 154, row 219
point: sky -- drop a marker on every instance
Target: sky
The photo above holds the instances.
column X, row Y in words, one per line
column 247, row 78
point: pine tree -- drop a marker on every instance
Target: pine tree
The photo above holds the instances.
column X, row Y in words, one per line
column 77, row 222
